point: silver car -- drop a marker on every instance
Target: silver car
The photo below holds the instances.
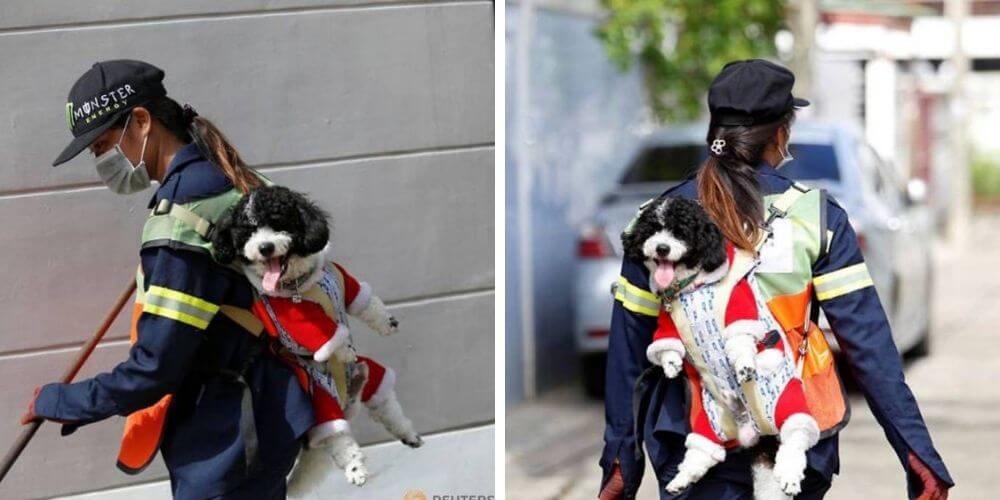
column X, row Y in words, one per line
column 893, row 226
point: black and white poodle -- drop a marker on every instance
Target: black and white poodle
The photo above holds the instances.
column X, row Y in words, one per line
column 281, row 240
column 675, row 239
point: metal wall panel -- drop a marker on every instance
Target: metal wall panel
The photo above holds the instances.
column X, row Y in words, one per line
column 412, row 226
column 285, row 88
column 381, row 111
column 443, row 357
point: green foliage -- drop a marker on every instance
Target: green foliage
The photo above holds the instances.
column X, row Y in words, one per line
column 682, row 44
column 985, row 178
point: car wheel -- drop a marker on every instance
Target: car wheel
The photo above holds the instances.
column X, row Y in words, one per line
column 593, row 374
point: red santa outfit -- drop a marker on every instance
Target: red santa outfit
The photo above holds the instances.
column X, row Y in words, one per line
column 741, row 325
column 316, row 323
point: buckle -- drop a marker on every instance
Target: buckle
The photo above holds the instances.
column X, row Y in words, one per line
column 162, row 207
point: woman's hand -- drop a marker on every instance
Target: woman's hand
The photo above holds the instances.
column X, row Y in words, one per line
column 29, row 416
column 615, row 489
column 934, row 488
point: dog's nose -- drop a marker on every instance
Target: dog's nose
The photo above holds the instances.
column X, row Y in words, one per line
column 266, row 248
column 662, row 249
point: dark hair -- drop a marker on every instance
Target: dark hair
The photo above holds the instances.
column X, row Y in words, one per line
column 727, row 184
column 185, row 124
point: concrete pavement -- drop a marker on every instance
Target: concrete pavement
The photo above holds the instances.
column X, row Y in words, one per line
column 553, row 443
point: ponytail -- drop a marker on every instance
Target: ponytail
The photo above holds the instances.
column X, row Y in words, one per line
column 727, row 183
column 185, row 124
column 214, row 144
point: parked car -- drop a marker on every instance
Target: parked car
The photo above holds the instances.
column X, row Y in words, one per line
column 892, row 223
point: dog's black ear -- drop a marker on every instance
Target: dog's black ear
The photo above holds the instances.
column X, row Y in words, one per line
column 711, row 244
column 223, row 242
column 634, row 236
column 316, row 230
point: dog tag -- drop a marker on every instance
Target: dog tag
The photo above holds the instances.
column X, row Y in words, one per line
column 776, row 254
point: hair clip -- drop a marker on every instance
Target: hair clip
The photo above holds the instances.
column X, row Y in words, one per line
column 718, row 147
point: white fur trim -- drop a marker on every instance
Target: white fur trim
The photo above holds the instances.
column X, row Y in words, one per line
column 800, row 430
column 325, row 351
column 361, row 300
column 770, row 360
column 659, row 346
column 384, row 391
column 750, row 327
column 703, row 444
column 321, row 432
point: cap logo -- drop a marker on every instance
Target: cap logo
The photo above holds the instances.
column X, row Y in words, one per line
column 69, row 115
column 99, row 105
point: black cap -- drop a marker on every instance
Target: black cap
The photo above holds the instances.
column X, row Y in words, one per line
column 103, row 94
column 751, row 92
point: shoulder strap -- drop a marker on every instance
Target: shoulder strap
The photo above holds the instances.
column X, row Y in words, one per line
column 780, row 206
column 201, row 225
column 823, row 244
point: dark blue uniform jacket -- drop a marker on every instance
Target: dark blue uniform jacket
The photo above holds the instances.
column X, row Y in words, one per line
column 202, row 444
column 858, row 322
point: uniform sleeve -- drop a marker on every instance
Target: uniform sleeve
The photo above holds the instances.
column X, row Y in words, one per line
column 357, row 294
column 859, row 323
column 183, row 293
column 633, row 320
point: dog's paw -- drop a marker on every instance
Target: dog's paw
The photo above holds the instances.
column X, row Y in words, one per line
column 356, row 473
column 745, row 373
column 789, row 469
column 389, row 326
column 680, row 482
column 413, row 441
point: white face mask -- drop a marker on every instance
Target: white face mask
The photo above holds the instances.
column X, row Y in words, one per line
column 786, row 155
column 117, row 171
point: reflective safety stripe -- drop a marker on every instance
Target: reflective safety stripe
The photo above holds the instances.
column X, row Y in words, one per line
column 636, row 299
column 179, row 306
column 842, row 281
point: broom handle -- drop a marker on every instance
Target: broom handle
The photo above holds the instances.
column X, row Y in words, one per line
column 68, row 376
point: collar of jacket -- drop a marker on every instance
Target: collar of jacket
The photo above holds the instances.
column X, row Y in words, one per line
column 186, row 155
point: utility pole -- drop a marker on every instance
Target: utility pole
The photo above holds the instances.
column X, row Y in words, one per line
column 525, row 175
column 803, row 16
column 960, row 208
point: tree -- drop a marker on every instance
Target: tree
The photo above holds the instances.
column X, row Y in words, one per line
column 682, row 44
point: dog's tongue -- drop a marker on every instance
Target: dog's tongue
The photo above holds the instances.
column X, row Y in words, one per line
column 271, row 274
column 664, row 273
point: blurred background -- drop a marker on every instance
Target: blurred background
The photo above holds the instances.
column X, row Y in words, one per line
column 606, row 108
column 382, row 111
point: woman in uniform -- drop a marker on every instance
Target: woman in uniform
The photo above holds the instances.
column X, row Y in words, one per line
column 752, row 110
column 198, row 372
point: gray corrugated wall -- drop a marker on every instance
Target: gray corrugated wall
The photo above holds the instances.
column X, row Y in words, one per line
column 382, row 112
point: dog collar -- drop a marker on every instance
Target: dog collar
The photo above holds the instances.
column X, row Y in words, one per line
column 674, row 289
column 293, row 285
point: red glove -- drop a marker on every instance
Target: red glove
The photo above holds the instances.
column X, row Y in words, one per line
column 934, row 488
column 29, row 416
column 615, row 489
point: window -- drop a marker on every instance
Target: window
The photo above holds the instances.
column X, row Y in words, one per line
column 665, row 164
column 812, row 162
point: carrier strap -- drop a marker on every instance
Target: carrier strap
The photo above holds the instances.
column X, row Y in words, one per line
column 201, row 225
column 780, row 206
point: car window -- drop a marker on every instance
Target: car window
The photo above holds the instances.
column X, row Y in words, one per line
column 812, row 162
column 664, row 164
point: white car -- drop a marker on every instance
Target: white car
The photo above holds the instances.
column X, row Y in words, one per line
column 893, row 225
